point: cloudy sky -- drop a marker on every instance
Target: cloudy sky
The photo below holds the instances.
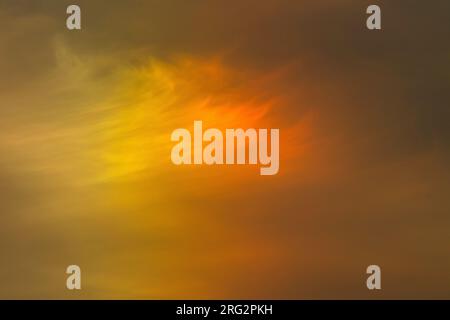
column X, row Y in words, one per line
column 85, row 170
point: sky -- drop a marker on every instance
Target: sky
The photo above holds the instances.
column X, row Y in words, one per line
column 86, row 176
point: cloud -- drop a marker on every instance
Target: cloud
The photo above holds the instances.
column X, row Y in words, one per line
column 85, row 165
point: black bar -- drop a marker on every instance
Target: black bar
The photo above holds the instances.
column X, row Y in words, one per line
column 229, row 309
